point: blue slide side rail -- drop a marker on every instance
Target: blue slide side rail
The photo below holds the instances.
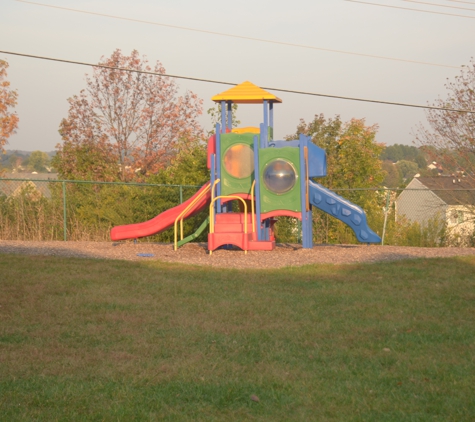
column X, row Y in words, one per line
column 344, row 210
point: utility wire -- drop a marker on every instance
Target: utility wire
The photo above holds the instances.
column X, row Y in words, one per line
column 440, row 5
column 189, row 78
column 222, row 34
column 408, row 8
column 461, row 1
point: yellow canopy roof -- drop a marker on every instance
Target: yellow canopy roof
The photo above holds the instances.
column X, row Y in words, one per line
column 246, row 93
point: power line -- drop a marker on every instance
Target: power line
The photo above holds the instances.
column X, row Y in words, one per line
column 223, row 34
column 461, row 1
column 408, row 8
column 189, row 78
column 439, row 5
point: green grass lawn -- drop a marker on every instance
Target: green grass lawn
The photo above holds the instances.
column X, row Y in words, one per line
column 110, row 340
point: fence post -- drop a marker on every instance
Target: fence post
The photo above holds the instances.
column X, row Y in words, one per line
column 385, row 216
column 181, row 194
column 65, row 224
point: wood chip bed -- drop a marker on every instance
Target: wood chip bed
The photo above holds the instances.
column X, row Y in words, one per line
column 285, row 255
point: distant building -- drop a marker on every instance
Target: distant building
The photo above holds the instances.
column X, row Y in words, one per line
column 26, row 181
column 447, row 200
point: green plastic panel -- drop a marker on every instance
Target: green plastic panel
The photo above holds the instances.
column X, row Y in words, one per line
column 237, row 163
column 289, row 200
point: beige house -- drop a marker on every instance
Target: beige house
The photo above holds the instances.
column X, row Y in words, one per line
column 440, row 200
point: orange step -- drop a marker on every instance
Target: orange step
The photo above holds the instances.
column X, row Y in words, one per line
column 261, row 245
column 232, row 223
column 241, row 240
column 233, row 218
column 229, row 230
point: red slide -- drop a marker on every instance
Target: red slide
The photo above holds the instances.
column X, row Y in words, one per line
column 162, row 221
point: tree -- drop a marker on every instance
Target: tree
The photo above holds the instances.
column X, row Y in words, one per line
column 393, row 153
column 38, row 161
column 92, row 159
column 399, row 152
column 393, row 176
column 421, row 162
column 125, row 125
column 188, row 167
column 352, row 163
column 352, row 152
column 14, row 161
column 8, row 100
column 452, row 133
column 407, row 169
column 215, row 115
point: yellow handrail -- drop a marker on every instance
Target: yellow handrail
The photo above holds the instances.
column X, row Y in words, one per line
column 212, row 189
column 212, row 200
column 185, row 211
column 252, row 207
column 211, row 213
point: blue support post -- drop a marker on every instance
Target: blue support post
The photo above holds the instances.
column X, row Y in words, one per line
column 220, row 207
column 307, row 242
column 310, row 227
column 266, row 119
column 227, row 207
column 271, row 119
column 263, row 144
column 223, row 116
column 257, row 196
column 263, row 136
column 230, row 115
column 213, row 170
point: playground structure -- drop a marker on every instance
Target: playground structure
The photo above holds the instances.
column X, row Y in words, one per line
column 255, row 179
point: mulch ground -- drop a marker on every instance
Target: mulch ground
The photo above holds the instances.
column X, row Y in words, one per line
column 284, row 255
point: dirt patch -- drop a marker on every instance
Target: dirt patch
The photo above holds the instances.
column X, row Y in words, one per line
column 284, row 255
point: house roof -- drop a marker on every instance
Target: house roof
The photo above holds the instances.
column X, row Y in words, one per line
column 452, row 190
column 246, row 93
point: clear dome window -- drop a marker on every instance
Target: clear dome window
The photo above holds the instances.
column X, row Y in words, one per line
column 279, row 176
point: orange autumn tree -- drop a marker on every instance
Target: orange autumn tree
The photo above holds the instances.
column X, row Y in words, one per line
column 8, row 100
column 125, row 125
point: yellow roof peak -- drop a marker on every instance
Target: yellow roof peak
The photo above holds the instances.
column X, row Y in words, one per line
column 246, row 93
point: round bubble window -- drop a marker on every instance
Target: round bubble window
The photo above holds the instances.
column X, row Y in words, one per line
column 239, row 161
column 279, row 176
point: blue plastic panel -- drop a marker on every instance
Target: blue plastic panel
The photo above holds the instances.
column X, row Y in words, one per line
column 317, row 161
column 317, row 157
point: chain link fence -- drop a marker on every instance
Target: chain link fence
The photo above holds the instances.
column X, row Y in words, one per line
column 81, row 210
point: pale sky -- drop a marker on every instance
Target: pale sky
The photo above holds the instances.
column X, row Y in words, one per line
column 44, row 86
